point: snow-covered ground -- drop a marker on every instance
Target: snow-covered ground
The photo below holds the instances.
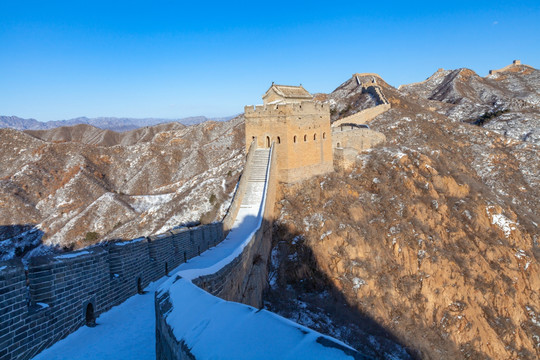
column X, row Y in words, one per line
column 127, row 331
column 211, row 327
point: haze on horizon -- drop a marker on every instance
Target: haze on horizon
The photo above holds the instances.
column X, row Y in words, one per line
column 167, row 59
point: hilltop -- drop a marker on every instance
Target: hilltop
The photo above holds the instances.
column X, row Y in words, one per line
column 427, row 247
column 75, row 186
column 507, row 102
column 431, row 239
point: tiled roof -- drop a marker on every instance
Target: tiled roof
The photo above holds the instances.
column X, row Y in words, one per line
column 286, row 91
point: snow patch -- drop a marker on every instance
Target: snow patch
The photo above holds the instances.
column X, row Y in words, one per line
column 358, row 282
column 124, row 243
column 72, row 255
column 143, row 203
column 505, row 224
column 42, row 305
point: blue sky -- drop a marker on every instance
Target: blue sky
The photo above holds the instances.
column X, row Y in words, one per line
column 173, row 59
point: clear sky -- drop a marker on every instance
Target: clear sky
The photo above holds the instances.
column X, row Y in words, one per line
column 172, row 59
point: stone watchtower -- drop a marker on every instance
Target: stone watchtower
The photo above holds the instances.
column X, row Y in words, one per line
column 299, row 127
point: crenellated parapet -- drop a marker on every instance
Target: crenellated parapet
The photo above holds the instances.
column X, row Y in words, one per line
column 56, row 294
column 299, row 128
column 305, row 107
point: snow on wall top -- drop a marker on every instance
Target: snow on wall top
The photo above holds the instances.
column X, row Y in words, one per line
column 214, row 328
column 218, row 329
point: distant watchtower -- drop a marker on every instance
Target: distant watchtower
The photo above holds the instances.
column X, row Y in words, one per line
column 299, row 127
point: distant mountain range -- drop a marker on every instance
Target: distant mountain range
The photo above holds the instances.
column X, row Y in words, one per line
column 109, row 123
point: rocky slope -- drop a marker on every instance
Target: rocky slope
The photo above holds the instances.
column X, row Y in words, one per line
column 426, row 248
column 507, row 102
column 430, row 241
column 72, row 187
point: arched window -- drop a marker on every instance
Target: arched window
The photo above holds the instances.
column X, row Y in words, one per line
column 139, row 286
column 338, row 145
column 314, row 136
column 90, row 316
column 167, row 269
column 268, row 141
column 294, row 139
column 324, row 135
column 305, row 137
column 278, row 140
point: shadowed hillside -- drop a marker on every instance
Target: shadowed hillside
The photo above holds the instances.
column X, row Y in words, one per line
column 433, row 234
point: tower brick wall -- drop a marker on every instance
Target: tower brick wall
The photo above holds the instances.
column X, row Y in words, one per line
column 301, row 132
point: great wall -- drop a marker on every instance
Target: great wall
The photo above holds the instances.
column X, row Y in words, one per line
column 514, row 65
column 55, row 295
column 366, row 115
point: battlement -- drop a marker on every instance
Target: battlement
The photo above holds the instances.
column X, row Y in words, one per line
column 305, row 107
column 56, row 294
column 513, row 65
column 299, row 128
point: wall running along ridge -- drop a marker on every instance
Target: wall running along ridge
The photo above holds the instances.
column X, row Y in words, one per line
column 514, row 64
column 229, row 218
column 48, row 301
column 365, row 116
column 349, row 140
column 192, row 323
column 244, row 279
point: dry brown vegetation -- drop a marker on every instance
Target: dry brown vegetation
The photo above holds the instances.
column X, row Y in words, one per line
column 434, row 236
column 74, row 180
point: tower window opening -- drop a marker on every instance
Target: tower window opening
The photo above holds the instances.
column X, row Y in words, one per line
column 139, row 286
column 324, row 135
column 314, row 136
column 294, row 139
column 305, row 137
column 268, row 141
column 278, row 140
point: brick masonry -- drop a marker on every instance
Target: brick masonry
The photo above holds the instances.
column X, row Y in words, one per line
column 50, row 299
column 242, row 280
column 301, row 134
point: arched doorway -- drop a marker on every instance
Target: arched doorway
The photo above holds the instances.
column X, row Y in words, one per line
column 90, row 316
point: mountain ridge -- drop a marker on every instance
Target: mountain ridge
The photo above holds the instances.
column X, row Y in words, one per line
column 118, row 124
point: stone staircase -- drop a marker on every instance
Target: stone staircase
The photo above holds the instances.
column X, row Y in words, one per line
column 257, row 178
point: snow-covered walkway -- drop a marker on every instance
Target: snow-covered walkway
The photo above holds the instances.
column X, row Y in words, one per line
column 127, row 331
